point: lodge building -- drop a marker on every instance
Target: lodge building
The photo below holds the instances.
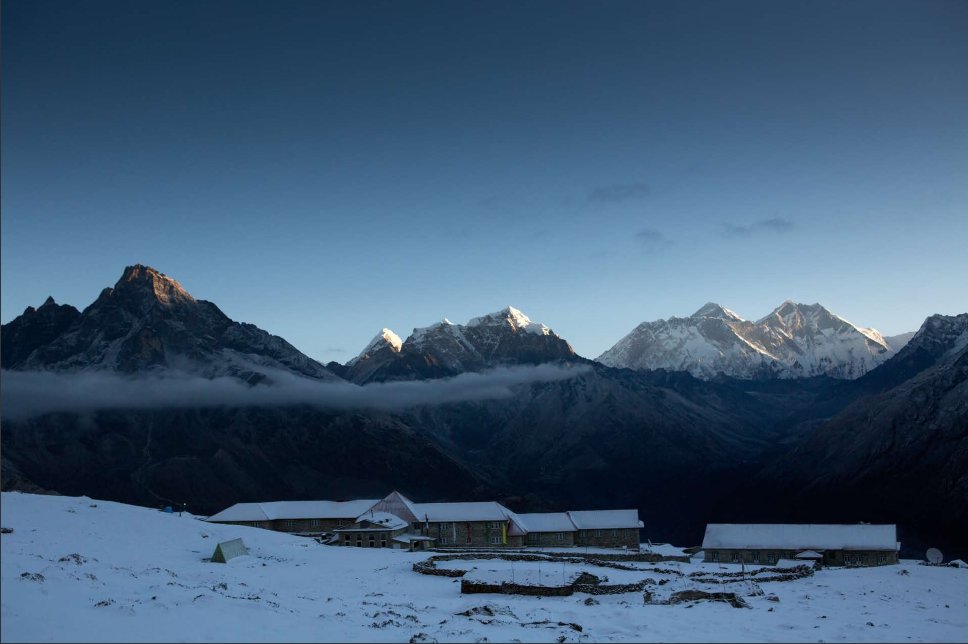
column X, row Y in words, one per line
column 397, row 522
column 860, row 544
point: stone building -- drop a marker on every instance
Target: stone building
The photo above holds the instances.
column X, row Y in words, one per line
column 860, row 544
column 544, row 529
column 606, row 528
column 396, row 521
column 475, row 524
column 374, row 530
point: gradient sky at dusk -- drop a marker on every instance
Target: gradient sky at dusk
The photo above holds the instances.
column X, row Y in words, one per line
column 324, row 169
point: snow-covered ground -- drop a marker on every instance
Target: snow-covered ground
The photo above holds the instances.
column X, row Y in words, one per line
column 74, row 569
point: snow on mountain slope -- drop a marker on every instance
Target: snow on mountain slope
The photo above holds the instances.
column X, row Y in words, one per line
column 898, row 341
column 510, row 317
column 75, row 569
column 505, row 337
column 793, row 341
column 385, row 339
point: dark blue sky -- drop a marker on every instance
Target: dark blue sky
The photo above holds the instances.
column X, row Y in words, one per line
column 324, row 169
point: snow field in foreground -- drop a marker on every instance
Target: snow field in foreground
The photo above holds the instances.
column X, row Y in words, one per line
column 73, row 572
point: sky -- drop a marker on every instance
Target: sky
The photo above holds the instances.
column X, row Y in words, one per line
column 327, row 169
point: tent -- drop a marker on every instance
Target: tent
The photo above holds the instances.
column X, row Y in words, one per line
column 229, row 550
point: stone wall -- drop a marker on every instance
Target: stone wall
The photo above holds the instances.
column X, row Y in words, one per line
column 771, row 556
column 463, row 534
column 609, row 538
column 550, row 539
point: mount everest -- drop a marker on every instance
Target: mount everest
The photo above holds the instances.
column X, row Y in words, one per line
column 793, row 341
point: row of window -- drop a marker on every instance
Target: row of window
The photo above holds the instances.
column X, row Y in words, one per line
column 607, row 533
column 447, row 540
column 553, row 536
column 291, row 524
column 736, row 557
column 772, row 557
column 370, row 540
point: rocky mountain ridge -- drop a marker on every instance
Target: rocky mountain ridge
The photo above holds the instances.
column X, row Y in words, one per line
column 505, row 337
column 149, row 322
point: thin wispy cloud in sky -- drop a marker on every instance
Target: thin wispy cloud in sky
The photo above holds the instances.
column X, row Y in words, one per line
column 652, row 240
column 30, row 394
column 773, row 226
column 619, row 192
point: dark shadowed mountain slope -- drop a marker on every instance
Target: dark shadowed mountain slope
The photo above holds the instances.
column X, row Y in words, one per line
column 33, row 329
column 898, row 455
column 212, row 458
column 147, row 321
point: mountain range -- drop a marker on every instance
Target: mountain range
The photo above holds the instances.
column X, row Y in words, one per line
column 506, row 337
column 793, row 341
column 801, row 410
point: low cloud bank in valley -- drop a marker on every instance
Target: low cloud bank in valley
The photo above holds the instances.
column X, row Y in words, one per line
column 33, row 393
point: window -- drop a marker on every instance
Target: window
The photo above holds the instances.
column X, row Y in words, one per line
column 359, row 541
column 494, row 525
column 371, row 540
column 715, row 555
column 854, row 559
column 496, row 539
column 383, row 540
column 314, row 523
column 559, row 536
column 340, row 523
column 735, row 557
column 771, row 557
column 346, row 539
column 881, row 558
column 290, row 524
column 756, row 556
column 598, row 533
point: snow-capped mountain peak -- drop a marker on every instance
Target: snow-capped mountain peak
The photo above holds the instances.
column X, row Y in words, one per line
column 512, row 317
column 505, row 337
column 385, row 339
column 794, row 341
column 713, row 310
column 800, row 320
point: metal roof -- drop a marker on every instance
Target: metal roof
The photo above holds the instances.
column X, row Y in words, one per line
column 546, row 522
column 605, row 519
column 852, row 536
column 273, row 510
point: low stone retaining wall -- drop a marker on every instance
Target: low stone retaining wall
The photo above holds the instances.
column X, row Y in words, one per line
column 596, row 560
column 428, row 567
column 584, row 583
column 609, row 589
column 632, row 555
column 759, row 576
